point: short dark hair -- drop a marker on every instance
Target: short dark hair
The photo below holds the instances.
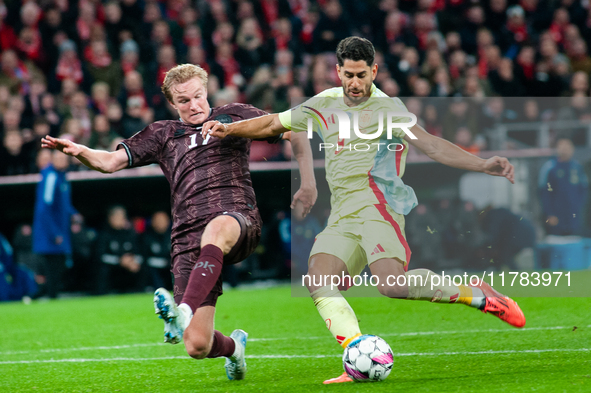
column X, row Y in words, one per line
column 355, row 48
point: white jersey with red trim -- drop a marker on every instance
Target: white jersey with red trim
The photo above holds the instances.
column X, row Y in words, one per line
column 361, row 170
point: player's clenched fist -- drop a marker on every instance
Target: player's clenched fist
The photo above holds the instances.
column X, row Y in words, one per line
column 64, row 145
column 214, row 128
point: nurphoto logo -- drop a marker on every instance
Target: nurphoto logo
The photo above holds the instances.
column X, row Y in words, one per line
column 361, row 120
column 345, row 122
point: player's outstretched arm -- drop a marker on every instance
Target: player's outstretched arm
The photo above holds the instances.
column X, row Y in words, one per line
column 257, row 128
column 302, row 151
column 98, row 160
column 449, row 154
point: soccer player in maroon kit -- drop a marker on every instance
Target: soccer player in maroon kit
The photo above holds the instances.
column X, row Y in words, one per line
column 215, row 216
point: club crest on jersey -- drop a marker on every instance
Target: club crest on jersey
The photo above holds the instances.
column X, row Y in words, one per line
column 365, row 118
column 223, row 118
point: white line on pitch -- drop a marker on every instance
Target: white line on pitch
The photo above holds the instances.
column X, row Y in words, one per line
column 255, row 339
column 81, row 349
column 121, row 359
column 474, row 331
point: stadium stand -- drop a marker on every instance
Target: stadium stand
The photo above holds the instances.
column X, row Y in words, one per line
column 91, row 70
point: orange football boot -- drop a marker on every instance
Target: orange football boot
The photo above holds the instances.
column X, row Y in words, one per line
column 500, row 305
column 340, row 379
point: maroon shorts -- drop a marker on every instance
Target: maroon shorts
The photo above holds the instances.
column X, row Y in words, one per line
column 182, row 264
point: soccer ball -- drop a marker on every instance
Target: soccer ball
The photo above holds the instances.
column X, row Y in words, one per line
column 368, row 358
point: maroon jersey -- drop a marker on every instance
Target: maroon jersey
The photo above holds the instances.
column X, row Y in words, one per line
column 204, row 178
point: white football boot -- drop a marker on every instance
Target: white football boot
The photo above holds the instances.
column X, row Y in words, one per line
column 236, row 364
column 175, row 318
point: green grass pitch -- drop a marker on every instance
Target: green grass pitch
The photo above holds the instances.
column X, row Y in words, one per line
column 113, row 344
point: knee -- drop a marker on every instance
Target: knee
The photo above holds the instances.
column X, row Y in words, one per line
column 213, row 233
column 320, row 265
column 313, row 267
column 197, row 347
column 317, row 277
column 216, row 226
column 222, row 231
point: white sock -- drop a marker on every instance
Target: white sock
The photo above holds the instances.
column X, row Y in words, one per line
column 185, row 309
column 421, row 287
column 477, row 297
column 339, row 317
column 233, row 357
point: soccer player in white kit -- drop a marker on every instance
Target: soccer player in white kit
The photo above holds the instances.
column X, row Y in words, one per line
column 369, row 199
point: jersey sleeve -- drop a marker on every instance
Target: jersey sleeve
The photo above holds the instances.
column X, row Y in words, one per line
column 296, row 118
column 246, row 111
column 144, row 147
column 285, row 118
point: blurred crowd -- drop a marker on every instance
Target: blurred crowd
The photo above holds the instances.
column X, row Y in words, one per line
column 91, row 70
column 459, row 235
column 123, row 255
column 130, row 254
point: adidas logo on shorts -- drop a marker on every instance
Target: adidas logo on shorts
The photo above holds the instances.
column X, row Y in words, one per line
column 378, row 249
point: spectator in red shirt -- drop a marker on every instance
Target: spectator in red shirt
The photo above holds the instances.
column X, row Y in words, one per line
column 424, row 23
column 166, row 60
column 225, row 58
column 516, row 31
column 86, row 19
column 29, row 42
column 192, row 36
column 69, row 65
column 7, row 36
column 526, row 63
column 30, row 46
column 560, row 20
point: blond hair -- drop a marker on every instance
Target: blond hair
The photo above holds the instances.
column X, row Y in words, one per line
column 181, row 74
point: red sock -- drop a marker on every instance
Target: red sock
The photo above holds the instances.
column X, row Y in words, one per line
column 204, row 275
column 222, row 346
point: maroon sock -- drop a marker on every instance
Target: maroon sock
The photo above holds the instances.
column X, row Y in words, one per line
column 222, row 346
column 204, row 275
